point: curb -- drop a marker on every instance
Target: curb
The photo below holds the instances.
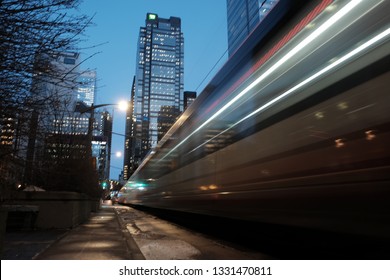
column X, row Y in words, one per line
column 134, row 250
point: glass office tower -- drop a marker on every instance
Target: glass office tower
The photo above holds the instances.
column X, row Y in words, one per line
column 242, row 17
column 159, row 78
column 86, row 87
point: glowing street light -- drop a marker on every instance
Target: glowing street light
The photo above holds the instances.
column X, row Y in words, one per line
column 123, row 105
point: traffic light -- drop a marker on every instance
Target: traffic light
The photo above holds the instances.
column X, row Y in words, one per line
column 104, row 184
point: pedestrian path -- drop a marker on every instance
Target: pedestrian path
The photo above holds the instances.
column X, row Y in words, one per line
column 27, row 244
column 102, row 237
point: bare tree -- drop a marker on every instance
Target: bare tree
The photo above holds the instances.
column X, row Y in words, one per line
column 33, row 33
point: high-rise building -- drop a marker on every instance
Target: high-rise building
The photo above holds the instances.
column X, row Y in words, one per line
column 101, row 143
column 62, row 119
column 53, row 81
column 7, row 132
column 166, row 118
column 65, row 127
column 129, row 149
column 86, row 87
column 106, row 133
column 159, row 78
column 189, row 97
column 242, row 17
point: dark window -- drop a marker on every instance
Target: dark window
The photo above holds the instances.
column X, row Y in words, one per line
column 68, row 60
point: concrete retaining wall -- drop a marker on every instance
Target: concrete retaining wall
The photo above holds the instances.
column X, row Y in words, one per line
column 55, row 209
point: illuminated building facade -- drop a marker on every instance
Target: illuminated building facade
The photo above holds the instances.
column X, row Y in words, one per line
column 105, row 132
column 68, row 130
column 7, row 132
column 166, row 118
column 159, row 78
column 86, row 87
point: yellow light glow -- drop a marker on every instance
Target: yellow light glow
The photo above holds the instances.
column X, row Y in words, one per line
column 339, row 143
column 370, row 135
column 123, row 105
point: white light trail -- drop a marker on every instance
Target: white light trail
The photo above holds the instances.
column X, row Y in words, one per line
column 323, row 71
column 305, row 42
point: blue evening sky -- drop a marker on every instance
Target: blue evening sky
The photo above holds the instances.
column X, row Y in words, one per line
column 117, row 24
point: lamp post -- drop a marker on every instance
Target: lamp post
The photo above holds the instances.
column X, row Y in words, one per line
column 121, row 105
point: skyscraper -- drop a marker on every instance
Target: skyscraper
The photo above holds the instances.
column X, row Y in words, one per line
column 64, row 127
column 86, row 87
column 242, row 17
column 167, row 116
column 129, row 152
column 159, row 78
column 101, row 144
column 78, row 87
column 55, row 116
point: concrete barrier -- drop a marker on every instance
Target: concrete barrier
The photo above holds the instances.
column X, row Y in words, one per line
column 21, row 216
column 56, row 209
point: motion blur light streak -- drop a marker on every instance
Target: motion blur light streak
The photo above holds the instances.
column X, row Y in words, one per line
column 323, row 71
column 306, row 147
column 304, row 23
column 304, row 43
column 356, row 51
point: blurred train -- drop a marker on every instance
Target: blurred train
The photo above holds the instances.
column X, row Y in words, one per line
column 294, row 129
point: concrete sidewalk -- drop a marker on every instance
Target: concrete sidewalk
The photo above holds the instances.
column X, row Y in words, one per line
column 102, row 237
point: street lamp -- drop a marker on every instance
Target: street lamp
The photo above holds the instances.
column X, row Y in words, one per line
column 122, row 105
